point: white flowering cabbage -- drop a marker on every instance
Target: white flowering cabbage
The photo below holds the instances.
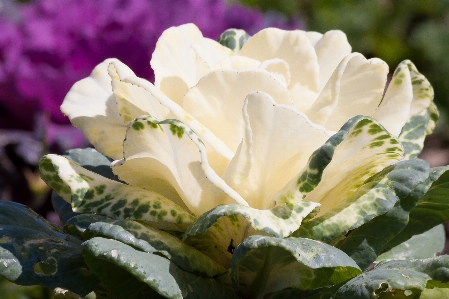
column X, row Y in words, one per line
column 241, row 160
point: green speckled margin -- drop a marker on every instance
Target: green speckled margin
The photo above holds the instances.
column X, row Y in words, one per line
column 89, row 192
column 217, row 232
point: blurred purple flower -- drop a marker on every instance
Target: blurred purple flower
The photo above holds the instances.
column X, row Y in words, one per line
column 47, row 45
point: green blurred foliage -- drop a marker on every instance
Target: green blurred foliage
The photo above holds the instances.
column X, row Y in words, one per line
column 9, row 290
column 392, row 30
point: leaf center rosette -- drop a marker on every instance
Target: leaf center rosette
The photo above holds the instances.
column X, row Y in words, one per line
column 242, row 150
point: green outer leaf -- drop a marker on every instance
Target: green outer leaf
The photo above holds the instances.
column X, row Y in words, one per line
column 392, row 278
column 262, row 265
column 62, row 208
column 217, row 232
column 377, row 196
column 233, row 39
column 89, row 192
column 93, row 161
column 425, row 245
column 130, row 273
column 405, row 183
column 149, row 239
column 34, row 251
column 77, row 225
column 431, row 209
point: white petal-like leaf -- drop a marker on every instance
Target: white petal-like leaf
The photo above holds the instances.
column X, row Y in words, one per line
column 296, row 49
column 217, row 100
column 394, row 110
column 330, row 49
column 172, row 153
column 133, row 101
column 269, row 125
column 89, row 192
column 355, row 88
column 174, row 61
column 91, row 107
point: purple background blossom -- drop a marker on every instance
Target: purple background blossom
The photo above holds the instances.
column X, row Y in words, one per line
column 48, row 45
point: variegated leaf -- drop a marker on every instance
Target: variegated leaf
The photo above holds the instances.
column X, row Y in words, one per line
column 375, row 197
column 138, row 274
column 265, row 265
column 359, row 150
column 398, row 279
column 233, row 39
column 169, row 157
column 150, row 239
column 217, row 232
column 89, row 192
column 35, row 252
column 406, row 182
column 430, row 209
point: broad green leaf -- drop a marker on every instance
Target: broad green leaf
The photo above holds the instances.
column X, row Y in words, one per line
column 89, row 192
column 77, row 225
column 430, row 210
column 425, row 245
column 177, row 158
column 233, row 39
column 149, row 239
column 396, row 279
column 296, row 49
column 401, row 185
column 216, row 233
column 35, row 252
column 263, row 265
column 130, row 273
column 62, row 208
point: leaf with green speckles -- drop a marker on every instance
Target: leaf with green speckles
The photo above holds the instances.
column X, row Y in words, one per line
column 140, row 274
column 408, row 181
column 429, row 210
column 375, row 197
column 34, row 251
column 423, row 114
column 233, row 39
column 217, row 232
column 359, row 150
column 174, row 162
column 413, row 134
column 263, row 265
column 398, row 279
column 149, row 239
column 89, row 192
